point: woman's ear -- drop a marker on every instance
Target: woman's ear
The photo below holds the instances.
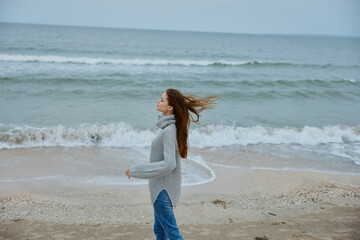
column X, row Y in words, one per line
column 170, row 108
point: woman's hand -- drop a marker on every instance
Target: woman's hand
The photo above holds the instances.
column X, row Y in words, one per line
column 128, row 173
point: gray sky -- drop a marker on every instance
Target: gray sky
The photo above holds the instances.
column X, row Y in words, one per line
column 331, row 17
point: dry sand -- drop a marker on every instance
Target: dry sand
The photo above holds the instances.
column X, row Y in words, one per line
column 238, row 204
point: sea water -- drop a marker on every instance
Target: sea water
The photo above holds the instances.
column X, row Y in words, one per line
column 291, row 96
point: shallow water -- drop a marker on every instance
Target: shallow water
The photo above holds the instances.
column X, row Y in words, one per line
column 89, row 166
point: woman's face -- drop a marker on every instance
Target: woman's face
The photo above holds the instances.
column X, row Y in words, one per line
column 163, row 105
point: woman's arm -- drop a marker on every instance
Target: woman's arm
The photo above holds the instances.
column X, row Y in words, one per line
column 160, row 168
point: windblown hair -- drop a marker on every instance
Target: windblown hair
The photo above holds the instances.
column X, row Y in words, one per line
column 182, row 106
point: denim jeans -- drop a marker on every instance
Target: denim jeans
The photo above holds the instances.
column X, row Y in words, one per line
column 165, row 226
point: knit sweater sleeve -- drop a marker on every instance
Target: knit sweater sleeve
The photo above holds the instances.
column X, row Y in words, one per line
column 162, row 167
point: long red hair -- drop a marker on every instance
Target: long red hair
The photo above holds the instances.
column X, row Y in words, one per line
column 182, row 106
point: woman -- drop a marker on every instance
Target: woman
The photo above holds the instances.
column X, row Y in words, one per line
column 164, row 168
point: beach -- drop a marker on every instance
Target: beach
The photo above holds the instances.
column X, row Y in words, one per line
column 277, row 158
column 239, row 203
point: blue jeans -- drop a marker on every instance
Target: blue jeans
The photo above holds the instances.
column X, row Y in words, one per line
column 165, row 226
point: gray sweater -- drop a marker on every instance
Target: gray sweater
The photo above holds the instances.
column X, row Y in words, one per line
column 164, row 168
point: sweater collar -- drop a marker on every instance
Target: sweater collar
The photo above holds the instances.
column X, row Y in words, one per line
column 163, row 121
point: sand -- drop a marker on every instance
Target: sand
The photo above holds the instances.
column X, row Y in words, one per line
column 238, row 204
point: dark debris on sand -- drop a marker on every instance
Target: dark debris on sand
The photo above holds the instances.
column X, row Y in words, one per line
column 218, row 201
column 262, row 238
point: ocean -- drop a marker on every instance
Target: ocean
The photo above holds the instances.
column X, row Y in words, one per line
column 295, row 97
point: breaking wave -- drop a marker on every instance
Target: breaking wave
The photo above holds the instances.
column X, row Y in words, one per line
column 137, row 61
column 124, row 135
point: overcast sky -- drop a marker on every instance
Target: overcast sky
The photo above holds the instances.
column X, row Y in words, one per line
column 330, row 17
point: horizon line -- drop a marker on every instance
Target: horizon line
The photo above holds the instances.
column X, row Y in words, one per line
column 193, row 31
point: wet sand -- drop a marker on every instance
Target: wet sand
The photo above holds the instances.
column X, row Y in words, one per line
column 238, row 204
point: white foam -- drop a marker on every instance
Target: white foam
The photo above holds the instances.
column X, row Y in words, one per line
column 121, row 61
column 350, row 80
column 339, row 141
column 349, row 151
column 110, row 135
column 225, row 135
column 200, row 179
column 124, row 135
column 287, row 169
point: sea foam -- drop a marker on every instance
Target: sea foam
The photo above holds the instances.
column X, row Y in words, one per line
column 96, row 60
column 124, row 135
column 150, row 61
column 224, row 135
column 342, row 141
